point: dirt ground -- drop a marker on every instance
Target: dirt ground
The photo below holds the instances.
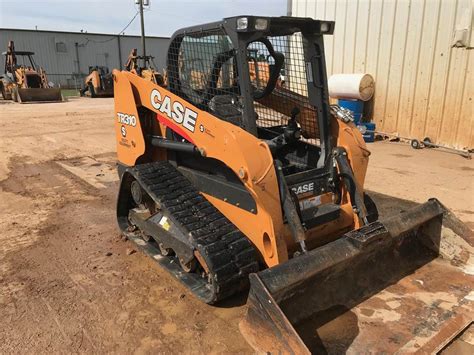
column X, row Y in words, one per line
column 70, row 283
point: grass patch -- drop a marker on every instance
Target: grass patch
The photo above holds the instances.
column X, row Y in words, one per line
column 69, row 92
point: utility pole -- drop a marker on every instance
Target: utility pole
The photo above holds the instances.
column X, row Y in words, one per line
column 142, row 20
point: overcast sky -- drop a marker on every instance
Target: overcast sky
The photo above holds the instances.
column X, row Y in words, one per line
column 110, row 16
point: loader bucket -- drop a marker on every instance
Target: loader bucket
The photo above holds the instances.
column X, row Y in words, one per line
column 403, row 284
column 39, row 94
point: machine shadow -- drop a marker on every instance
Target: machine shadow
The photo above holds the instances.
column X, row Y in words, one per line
column 390, row 205
column 236, row 300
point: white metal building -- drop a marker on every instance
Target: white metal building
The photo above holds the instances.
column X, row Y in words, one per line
column 418, row 51
column 67, row 56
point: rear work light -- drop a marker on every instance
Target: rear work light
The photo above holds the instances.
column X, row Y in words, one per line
column 324, row 27
column 242, row 23
column 252, row 24
column 261, row 24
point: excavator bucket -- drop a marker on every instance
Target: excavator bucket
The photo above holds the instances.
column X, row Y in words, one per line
column 404, row 284
column 39, row 94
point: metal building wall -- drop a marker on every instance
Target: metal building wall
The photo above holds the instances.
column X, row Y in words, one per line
column 424, row 85
column 93, row 49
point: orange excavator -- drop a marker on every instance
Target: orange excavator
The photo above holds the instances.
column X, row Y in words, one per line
column 26, row 81
column 230, row 180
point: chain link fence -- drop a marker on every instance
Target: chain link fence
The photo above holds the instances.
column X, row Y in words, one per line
column 70, row 84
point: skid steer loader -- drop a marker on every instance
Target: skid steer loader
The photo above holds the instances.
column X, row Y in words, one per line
column 25, row 82
column 226, row 178
column 98, row 83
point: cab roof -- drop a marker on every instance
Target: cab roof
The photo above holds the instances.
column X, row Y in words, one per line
column 277, row 26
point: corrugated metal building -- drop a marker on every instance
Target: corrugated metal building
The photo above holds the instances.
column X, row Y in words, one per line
column 420, row 54
column 66, row 56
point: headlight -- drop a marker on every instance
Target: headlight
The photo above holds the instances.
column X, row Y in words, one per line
column 242, row 23
column 261, row 24
column 324, row 27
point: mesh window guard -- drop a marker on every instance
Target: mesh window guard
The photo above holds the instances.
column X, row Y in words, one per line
column 206, row 72
column 291, row 88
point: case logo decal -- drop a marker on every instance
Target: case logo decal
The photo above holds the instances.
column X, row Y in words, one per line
column 303, row 188
column 174, row 110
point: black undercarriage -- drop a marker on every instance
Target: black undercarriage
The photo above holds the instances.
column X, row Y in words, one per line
column 162, row 212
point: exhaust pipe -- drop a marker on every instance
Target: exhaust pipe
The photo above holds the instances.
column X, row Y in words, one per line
column 291, row 305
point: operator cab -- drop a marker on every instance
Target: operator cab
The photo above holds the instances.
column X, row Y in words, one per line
column 22, row 60
column 264, row 74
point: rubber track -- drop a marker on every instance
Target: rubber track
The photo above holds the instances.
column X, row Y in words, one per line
column 229, row 255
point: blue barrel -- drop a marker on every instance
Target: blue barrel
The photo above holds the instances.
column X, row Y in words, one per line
column 369, row 136
column 356, row 106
